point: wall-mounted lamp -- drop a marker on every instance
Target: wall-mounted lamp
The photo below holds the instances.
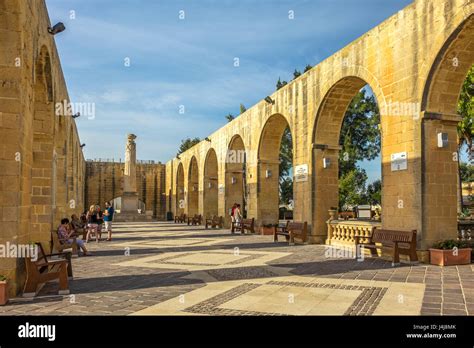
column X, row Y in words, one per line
column 58, row 28
column 268, row 173
column 195, row 188
column 442, row 140
column 207, row 139
column 83, row 145
column 326, row 162
column 209, row 185
column 76, row 115
column 233, row 180
column 269, row 100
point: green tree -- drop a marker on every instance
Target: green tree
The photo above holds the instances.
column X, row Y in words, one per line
column 296, row 74
column 230, row 117
column 187, row 143
column 467, row 172
column 242, row 108
column 286, row 190
column 307, row 68
column 360, row 140
column 280, row 84
column 286, row 164
column 466, row 110
column 373, row 194
column 352, row 188
column 465, row 127
column 360, row 133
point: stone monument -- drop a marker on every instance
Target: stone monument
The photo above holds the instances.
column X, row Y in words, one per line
column 129, row 199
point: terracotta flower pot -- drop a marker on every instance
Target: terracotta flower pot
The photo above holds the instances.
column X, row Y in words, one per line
column 440, row 257
column 3, row 292
column 267, row 231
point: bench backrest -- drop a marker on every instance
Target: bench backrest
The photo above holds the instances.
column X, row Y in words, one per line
column 55, row 239
column 299, row 227
column 41, row 254
column 381, row 236
column 248, row 222
column 41, row 261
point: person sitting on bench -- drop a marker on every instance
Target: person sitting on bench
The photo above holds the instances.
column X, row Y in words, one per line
column 78, row 226
column 66, row 234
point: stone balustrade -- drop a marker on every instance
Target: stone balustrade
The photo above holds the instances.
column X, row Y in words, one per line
column 342, row 232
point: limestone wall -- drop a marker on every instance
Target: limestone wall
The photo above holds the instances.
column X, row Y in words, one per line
column 104, row 182
column 41, row 163
column 415, row 62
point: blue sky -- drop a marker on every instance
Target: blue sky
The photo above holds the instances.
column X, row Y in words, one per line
column 190, row 62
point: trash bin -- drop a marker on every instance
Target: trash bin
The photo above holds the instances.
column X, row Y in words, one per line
column 169, row 216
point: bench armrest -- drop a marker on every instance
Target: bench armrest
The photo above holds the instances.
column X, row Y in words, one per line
column 57, row 254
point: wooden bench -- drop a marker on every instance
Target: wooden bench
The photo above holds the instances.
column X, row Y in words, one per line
column 281, row 230
column 244, row 225
column 401, row 242
column 180, row 218
column 291, row 231
column 215, row 221
column 44, row 269
column 195, row 220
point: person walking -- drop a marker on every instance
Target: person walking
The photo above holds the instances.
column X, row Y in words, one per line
column 108, row 218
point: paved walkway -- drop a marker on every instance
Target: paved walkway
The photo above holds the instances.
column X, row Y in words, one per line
column 166, row 268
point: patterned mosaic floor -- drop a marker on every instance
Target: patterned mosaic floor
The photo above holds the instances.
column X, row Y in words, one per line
column 295, row 296
column 166, row 268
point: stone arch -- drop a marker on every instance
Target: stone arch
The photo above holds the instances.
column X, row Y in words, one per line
column 269, row 167
column 440, row 180
column 326, row 134
column 43, row 185
column 235, row 178
column 211, row 189
column 180, row 193
column 193, row 187
column 449, row 70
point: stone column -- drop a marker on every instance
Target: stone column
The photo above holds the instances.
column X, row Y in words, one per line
column 130, row 195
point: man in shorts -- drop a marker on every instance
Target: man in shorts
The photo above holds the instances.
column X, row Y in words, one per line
column 108, row 217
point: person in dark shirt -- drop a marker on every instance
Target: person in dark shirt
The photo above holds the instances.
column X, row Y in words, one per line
column 108, row 217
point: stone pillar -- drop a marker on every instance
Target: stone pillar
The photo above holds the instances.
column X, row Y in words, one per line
column 440, row 180
column 130, row 195
column 326, row 190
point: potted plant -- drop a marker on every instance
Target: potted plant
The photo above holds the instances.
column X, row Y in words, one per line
column 464, row 215
column 450, row 253
column 268, row 229
column 3, row 290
